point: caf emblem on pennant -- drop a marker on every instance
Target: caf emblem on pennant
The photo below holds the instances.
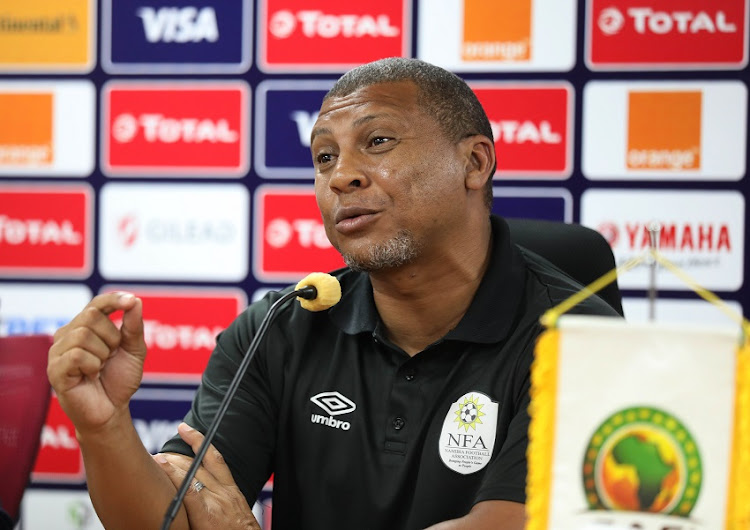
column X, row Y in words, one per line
column 642, row 459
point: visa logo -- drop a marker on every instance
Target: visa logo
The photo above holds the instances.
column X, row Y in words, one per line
column 155, row 433
column 305, row 122
column 175, row 24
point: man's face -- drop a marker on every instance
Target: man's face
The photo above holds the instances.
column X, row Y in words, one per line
column 387, row 180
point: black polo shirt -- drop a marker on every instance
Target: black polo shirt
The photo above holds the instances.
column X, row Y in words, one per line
column 360, row 435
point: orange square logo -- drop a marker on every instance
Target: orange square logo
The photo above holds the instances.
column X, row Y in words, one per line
column 25, row 129
column 497, row 30
column 664, row 130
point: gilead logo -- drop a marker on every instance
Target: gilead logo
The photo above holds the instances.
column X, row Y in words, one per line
column 496, row 31
column 26, row 131
column 664, row 130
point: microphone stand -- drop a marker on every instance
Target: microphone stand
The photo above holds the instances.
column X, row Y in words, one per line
column 308, row 292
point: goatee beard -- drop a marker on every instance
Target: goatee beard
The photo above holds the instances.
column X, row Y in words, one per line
column 395, row 252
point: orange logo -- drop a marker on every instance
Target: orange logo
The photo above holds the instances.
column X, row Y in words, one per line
column 46, row 34
column 497, row 31
column 664, row 130
column 25, row 129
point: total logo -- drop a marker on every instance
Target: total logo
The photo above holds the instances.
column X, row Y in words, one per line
column 59, row 458
column 666, row 34
column 330, row 35
column 45, row 230
column 175, row 128
column 38, row 232
column 611, row 21
column 289, row 232
column 307, row 232
column 519, row 132
column 328, row 26
column 531, row 125
column 180, row 327
column 160, row 128
column 174, row 24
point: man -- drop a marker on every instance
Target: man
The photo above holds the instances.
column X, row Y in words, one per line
column 404, row 406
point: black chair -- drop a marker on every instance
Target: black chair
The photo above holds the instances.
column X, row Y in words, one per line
column 580, row 252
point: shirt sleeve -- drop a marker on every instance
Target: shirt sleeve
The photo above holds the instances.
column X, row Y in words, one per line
column 505, row 476
column 247, row 434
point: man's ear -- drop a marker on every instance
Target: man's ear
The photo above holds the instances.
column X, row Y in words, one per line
column 480, row 160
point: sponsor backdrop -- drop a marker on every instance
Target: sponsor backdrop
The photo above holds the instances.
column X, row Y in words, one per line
column 167, row 154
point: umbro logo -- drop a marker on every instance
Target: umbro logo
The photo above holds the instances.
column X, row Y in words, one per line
column 334, row 404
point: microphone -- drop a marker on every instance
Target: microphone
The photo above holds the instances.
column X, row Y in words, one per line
column 316, row 292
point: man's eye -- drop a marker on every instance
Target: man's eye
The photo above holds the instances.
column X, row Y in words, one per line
column 324, row 158
column 380, row 140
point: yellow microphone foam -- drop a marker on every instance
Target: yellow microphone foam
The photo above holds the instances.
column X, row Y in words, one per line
column 328, row 287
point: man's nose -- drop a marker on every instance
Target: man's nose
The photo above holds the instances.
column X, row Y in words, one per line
column 348, row 175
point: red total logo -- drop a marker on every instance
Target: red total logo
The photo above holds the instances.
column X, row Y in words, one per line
column 45, row 230
column 331, row 33
column 676, row 33
column 177, row 127
column 59, row 458
column 531, row 126
column 180, row 328
column 289, row 234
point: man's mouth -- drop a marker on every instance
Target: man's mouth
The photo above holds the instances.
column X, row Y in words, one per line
column 351, row 219
column 351, row 212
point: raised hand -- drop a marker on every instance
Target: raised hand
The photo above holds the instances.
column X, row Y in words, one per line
column 95, row 367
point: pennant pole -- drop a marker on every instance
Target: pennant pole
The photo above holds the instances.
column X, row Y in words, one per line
column 654, row 229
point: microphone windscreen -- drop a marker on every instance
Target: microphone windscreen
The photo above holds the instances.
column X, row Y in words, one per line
column 328, row 287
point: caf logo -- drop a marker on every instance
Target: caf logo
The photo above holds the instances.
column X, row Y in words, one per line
column 642, row 459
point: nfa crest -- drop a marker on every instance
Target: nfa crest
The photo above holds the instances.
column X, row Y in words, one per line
column 468, row 435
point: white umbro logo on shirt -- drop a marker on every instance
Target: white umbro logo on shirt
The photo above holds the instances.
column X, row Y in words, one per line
column 334, row 404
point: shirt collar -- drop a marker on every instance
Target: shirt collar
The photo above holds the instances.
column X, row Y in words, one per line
column 489, row 317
